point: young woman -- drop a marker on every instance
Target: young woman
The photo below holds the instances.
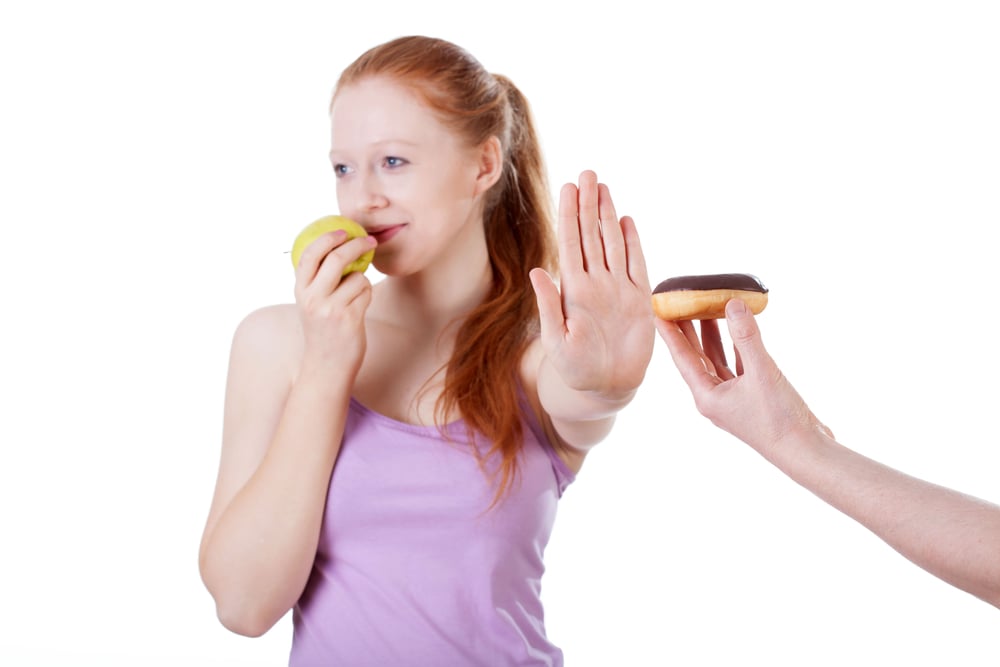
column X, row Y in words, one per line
column 392, row 455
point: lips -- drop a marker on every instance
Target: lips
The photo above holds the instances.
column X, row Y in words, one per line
column 383, row 234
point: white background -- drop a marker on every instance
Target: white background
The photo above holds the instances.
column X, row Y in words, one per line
column 158, row 158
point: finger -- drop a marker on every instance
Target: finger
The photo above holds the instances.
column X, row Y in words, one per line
column 354, row 290
column 711, row 340
column 699, row 344
column 590, row 223
column 331, row 270
column 612, row 237
column 550, row 314
column 686, row 358
column 687, row 328
column 570, row 252
column 315, row 253
column 746, row 338
column 634, row 257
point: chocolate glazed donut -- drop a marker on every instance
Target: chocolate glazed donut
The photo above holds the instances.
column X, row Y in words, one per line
column 704, row 297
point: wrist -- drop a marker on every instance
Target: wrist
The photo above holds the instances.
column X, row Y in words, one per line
column 324, row 381
column 562, row 401
column 799, row 448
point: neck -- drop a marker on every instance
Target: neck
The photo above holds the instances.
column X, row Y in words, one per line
column 445, row 293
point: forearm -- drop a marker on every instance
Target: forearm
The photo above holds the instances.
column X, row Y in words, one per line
column 953, row 536
column 258, row 556
column 581, row 418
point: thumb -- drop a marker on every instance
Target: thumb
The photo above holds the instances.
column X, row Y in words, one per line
column 746, row 335
column 550, row 314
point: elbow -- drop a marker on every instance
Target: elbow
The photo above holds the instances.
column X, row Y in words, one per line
column 244, row 620
column 985, row 588
column 992, row 596
column 989, row 590
column 240, row 612
column 242, row 605
column 243, row 624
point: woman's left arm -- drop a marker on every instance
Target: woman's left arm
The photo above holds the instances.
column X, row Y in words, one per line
column 597, row 330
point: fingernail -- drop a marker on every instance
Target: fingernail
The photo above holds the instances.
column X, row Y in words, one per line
column 736, row 308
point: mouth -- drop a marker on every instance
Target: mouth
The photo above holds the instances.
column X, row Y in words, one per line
column 383, row 234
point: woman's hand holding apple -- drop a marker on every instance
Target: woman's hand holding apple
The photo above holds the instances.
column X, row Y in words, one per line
column 332, row 305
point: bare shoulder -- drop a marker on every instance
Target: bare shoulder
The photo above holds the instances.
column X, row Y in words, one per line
column 270, row 321
column 270, row 334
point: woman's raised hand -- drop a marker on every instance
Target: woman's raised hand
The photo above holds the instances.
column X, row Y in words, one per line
column 597, row 325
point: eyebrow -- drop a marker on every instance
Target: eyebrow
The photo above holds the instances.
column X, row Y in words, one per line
column 383, row 142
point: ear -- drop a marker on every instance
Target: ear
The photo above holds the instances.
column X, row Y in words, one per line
column 490, row 163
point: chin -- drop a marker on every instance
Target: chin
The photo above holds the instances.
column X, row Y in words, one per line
column 390, row 266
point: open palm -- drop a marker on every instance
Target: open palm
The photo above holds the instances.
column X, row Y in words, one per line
column 597, row 325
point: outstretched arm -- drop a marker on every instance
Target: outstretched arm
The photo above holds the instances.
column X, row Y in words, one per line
column 596, row 335
column 954, row 536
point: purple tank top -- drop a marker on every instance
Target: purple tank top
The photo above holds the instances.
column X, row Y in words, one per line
column 412, row 569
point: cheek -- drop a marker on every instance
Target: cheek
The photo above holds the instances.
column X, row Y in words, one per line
column 454, row 186
column 344, row 197
column 416, row 195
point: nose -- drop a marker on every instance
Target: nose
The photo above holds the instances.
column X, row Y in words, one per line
column 361, row 195
column 370, row 193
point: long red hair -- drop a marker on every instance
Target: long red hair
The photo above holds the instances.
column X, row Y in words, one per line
column 482, row 376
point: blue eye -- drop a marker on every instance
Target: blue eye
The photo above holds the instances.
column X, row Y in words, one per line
column 341, row 170
column 392, row 162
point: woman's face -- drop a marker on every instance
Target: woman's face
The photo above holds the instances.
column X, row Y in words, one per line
column 408, row 179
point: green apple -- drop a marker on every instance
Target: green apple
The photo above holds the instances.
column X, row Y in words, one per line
column 325, row 225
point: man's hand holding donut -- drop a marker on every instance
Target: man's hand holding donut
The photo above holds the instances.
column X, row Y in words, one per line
column 754, row 402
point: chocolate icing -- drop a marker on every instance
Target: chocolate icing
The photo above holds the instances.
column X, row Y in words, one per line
column 734, row 281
